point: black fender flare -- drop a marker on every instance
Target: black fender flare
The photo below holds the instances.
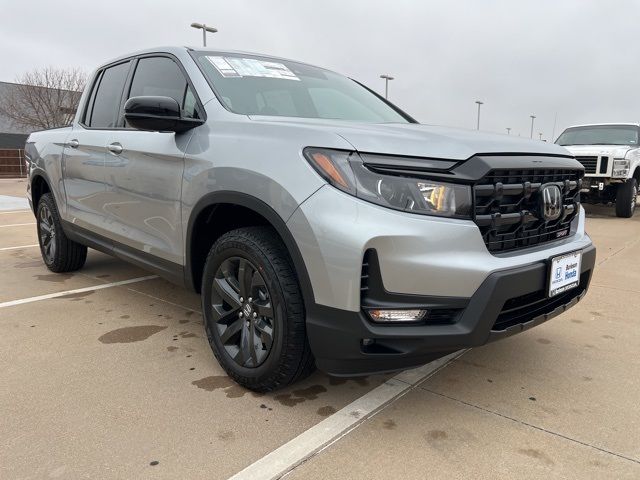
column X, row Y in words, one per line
column 33, row 175
column 260, row 207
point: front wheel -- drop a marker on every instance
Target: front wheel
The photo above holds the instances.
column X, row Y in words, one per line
column 253, row 310
column 626, row 198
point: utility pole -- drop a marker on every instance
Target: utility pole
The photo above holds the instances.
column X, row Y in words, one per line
column 553, row 132
column 533, row 117
column 204, row 29
column 386, row 84
column 479, row 105
column 508, row 130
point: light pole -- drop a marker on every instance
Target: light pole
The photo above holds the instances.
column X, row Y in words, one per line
column 386, row 84
column 540, row 133
column 533, row 117
column 508, row 130
column 479, row 105
column 204, row 29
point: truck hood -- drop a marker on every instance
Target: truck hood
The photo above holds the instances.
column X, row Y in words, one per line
column 613, row 151
column 418, row 140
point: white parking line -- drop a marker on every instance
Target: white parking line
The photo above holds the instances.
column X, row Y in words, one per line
column 17, row 225
column 15, row 211
column 19, row 247
column 322, row 435
column 77, row 290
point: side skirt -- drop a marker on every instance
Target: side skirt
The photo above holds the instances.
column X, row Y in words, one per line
column 170, row 271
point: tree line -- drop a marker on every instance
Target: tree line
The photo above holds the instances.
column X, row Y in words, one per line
column 43, row 98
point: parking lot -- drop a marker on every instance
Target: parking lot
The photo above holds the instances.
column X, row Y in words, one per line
column 106, row 373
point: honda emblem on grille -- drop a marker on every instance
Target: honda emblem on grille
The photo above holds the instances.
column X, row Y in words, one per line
column 550, row 202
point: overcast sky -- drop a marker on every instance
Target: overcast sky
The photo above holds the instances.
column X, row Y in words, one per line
column 577, row 58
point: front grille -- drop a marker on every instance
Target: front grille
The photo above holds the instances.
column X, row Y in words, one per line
column 507, row 207
column 590, row 164
column 524, row 308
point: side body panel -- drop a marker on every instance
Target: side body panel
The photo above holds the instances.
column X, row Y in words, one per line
column 44, row 151
column 263, row 162
column 142, row 202
column 83, row 173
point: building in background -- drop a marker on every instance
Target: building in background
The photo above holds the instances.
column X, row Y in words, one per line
column 27, row 107
column 12, row 139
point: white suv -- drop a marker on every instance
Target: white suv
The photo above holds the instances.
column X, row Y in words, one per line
column 610, row 155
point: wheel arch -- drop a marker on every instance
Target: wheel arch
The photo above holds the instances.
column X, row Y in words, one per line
column 39, row 186
column 257, row 212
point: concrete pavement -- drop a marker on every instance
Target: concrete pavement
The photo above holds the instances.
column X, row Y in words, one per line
column 120, row 383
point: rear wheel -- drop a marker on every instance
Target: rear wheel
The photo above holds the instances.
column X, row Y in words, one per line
column 626, row 198
column 253, row 310
column 58, row 252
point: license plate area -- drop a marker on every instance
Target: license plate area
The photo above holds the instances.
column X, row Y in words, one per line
column 564, row 273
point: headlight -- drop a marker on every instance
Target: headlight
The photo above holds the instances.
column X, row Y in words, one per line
column 620, row 168
column 347, row 172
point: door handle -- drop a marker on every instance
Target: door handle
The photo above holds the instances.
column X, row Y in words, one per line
column 115, row 148
column 73, row 143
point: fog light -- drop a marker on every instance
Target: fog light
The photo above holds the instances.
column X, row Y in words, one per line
column 383, row 316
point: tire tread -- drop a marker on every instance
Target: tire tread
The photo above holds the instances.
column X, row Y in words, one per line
column 297, row 359
column 71, row 255
column 623, row 198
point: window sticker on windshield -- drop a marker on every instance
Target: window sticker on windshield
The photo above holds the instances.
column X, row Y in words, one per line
column 223, row 67
column 250, row 67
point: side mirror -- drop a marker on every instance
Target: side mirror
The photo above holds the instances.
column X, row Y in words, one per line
column 157, row 114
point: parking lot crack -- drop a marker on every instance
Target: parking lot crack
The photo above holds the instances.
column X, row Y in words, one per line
column 625, row 247
column 530, row 425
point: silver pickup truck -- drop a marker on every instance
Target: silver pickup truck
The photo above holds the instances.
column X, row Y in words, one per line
column 322, row 224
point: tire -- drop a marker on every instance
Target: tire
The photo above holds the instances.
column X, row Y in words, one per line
column 626, row 198
column 253, row 310
column 58, row 252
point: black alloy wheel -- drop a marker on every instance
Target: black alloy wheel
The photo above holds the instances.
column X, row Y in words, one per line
column 253, row 310
column 59, row 253
column 47, row 234
column 242, row 312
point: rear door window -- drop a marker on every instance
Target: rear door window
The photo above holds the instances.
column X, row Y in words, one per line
column 104, row 111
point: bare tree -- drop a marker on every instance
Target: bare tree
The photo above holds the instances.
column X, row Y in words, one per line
column 43, row 98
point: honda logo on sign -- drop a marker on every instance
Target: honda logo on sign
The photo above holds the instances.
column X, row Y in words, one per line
column 551, row 202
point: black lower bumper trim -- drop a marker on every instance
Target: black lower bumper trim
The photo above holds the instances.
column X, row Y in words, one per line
column 336, row 336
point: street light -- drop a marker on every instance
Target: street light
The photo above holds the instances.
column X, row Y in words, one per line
column 386, row 84
column 479, row 105
column 205, row 29
column 508, row 130
column 533, row 117
column 540, row 133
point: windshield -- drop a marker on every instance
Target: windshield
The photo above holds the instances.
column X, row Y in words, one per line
column 252, row 85
column 600, row 135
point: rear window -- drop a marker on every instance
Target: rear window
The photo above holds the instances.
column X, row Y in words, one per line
column 106, row 101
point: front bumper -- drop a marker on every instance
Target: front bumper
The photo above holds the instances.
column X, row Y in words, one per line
column 419, row 255
column 507, row 302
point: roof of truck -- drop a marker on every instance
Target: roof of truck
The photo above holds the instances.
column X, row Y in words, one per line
column 606, row 124
column 173, row 49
